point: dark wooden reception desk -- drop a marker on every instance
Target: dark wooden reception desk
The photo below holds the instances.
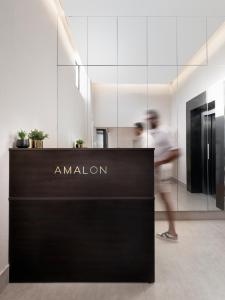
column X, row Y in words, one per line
column 81, row 215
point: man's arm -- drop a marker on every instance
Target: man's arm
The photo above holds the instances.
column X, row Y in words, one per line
column 171, row 155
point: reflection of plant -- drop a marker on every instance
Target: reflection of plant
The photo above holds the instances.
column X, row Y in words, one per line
column 80, row 142
column 22, row 134
column 37, row 135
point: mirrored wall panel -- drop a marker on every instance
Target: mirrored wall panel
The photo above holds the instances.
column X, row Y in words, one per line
column 215, row 93
column 102, row 40
column 162, row 85
column 113, row 70
column 132, row 41
column 191, row 104
column 72, row 106
column 78, row 27
column 162, row 41
column 191, row 41
column 200, row 169
column 104, row 98
column 216, row 40
column 132, row 106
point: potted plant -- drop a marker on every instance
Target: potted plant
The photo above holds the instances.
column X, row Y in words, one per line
column 22, row 140
column 37, row 137
column 79, row 143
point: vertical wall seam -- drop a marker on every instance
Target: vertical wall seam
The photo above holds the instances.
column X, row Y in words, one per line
column 57, row 82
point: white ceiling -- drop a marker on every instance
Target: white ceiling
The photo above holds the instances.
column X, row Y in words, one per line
column 144, row 7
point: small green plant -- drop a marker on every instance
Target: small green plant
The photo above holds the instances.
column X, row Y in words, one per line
column 38, row 135
column 80, row 142
column 22, row 134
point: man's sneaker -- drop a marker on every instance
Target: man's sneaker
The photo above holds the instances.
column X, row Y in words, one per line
column 167, row 236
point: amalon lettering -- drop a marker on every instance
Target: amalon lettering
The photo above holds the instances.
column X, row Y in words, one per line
column 81, row 170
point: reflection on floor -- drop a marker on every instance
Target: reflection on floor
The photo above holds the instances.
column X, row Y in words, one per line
column 193, row 268
column 182, row 200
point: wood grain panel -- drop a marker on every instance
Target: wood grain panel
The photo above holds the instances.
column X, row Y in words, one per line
column 81, row 241
column 130, row 173
column 82, row 228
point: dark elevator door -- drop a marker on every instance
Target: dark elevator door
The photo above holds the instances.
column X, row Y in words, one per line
column 209, row 152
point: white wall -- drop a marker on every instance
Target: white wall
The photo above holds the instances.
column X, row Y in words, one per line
column 28, row 90
column 28, row 85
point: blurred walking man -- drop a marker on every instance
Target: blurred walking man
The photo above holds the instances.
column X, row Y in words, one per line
column 165, row 153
